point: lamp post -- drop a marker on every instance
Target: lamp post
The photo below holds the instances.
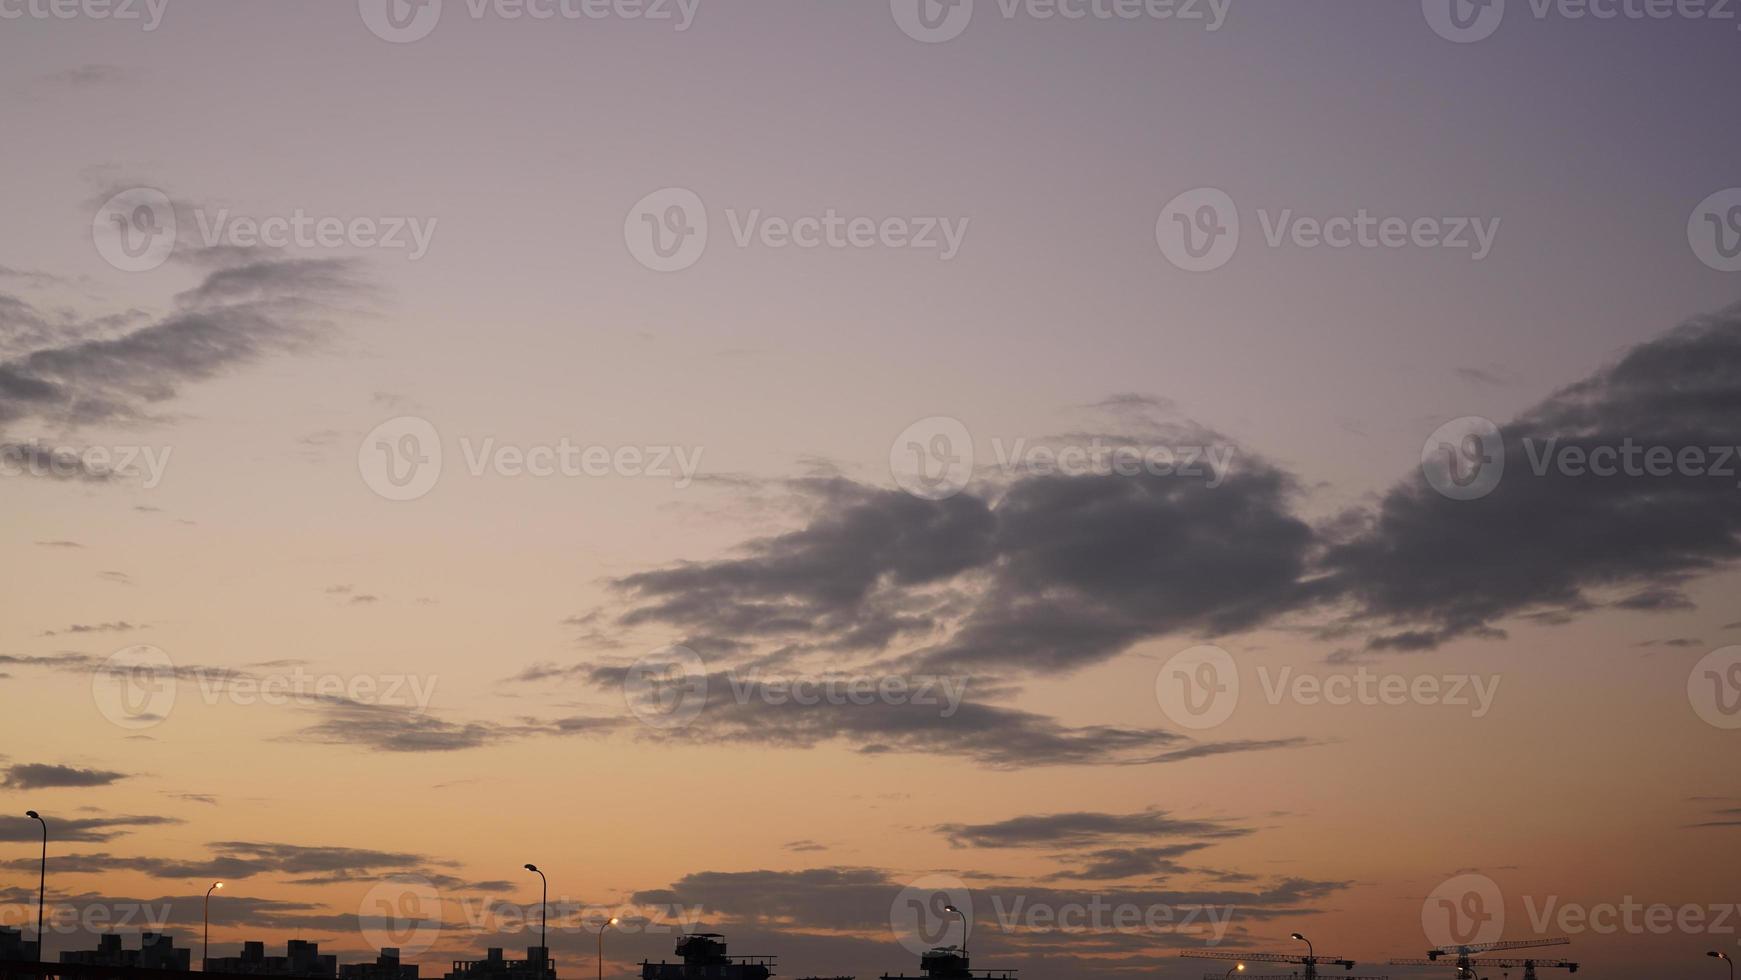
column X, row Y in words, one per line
column 1236, row 968
column 1724, row 956
column 543, row 912
column 1311, row 953
column 205, row 952
column 965, row 927
column 601, row 945
column 41, row 887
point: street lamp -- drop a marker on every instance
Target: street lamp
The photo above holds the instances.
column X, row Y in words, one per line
column 1724, row 956
column 601, row 946
column 965, row 928
column 1238, row 967
column 1310, row 953
column 41, row 887
column 543, row 911
column 205, row 953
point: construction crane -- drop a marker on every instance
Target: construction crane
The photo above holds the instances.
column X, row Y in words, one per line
column 1529, row 966
column 1309, row 962
column 1466, row 964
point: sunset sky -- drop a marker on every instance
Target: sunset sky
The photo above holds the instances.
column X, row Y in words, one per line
column 488, row 516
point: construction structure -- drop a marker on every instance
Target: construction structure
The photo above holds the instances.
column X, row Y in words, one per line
column 704, row 957
column 1308, row 964
column 951, row 963
column 1468, row 967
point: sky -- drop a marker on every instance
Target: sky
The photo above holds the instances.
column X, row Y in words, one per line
column 1160, row 476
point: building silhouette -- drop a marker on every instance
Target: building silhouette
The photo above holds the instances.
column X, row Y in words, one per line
column 301, row 959
column 385, row 967
column 950, row 963
column 156, row 952
column 13, row 945
column 704, row 958
column 536, row 966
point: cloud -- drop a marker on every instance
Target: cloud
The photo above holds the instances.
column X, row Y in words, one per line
column 83, row 829
column 843, row 579
column 932, row 716
column 42, row 776
column 1131, row 862
column 1089, row 565
column 407, row 728
column 237, row 315
column 236, row 860
column 117, row 626
column 1049, row 573
column 1084, row 828
column 391, row 728
column 1440, row 568
column 859, row 901
column 36, row 459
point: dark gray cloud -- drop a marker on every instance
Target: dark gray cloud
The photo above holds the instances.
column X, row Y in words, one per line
column 36, row 775
column 1050, row 573
column 117, row 372
column 407, row 728
column 1075, row 568
column 1114, row 863
column 392, row 728
column 114, row 626
column 933, row 715
column 847, row 578
column 1435, row 568
column 36, row 459
column 1089, row 565
column 1085, row 828
column 82, row 829
column 848, row 911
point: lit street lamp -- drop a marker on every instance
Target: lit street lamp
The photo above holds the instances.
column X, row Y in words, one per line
column 601, row 946
column 1237, row 967
column 1309, row 951
column 965, row 928
column 1724, row 956
column 41, row 887
column 543, row 911
column 205, row 953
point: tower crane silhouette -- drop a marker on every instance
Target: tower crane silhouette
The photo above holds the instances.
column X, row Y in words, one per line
column 1467, row 964
column 1309, row 964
